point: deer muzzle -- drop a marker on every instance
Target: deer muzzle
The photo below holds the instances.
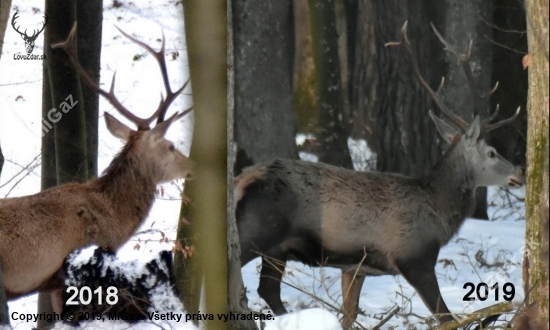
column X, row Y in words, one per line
column 517, row 180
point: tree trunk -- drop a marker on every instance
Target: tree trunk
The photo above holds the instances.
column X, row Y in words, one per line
column 65, row 145
column 70, row 129
column 510, row 140
column 333, row 124
column 403, row 134
column 364, row 72
column 264, row 121
column 89, row 15
column 536, row 199
column 260, row 116
column 237, row 301
column 5, row 6
column 304, row 100
column 206, row 34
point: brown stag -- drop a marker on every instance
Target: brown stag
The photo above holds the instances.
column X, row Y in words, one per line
column 37, row 232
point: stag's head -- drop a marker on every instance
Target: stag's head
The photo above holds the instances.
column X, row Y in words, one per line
column 484, row 163
column 29, row 40
column 487, row 166
column 156, row 155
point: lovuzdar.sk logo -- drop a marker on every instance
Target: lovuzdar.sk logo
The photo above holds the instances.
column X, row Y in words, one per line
column 29, row 40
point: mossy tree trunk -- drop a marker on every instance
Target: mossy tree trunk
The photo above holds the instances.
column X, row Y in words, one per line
column 206, row 34
column 536, row 199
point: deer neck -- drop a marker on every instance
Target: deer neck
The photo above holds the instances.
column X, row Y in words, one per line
column 452, row 186
column 128, row 191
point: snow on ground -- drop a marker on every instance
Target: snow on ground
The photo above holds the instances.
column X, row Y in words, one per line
column 307, row 319
column 138, row 87
column 499, row 243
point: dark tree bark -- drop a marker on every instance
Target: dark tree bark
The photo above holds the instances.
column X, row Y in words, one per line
column 403, row 135
column 263, row 122
column 206, row 34
column 465, row 22
column 89, row 15
column 333, row 129
column 510, row 45
column 237, row 301
column 5, row 6
column 263, row 41
column 70, row 129
column 363, row 69
column 65, row 145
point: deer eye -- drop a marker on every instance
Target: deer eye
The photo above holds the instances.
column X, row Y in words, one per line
column 171, row 147
column 491, row 154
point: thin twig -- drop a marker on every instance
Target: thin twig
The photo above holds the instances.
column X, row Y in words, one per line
column 387, row 318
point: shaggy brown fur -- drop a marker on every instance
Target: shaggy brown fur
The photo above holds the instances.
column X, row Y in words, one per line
column 37, row 232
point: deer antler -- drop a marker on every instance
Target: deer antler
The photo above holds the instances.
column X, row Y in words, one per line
column 69, row 46
column 36, row 33
column 13, row 24
column 465, row 62
column 435, row 95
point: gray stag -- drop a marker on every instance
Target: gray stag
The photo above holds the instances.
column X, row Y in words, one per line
column 368, row 223
column 37, row 232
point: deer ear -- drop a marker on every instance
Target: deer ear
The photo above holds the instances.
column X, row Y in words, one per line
column 445, row 130
column 117, row 128
column 474, row 130
column 161, row 129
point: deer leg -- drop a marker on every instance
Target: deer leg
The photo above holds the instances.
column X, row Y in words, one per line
column 351, row 290
column 419, row 271
column 57, row 301
column 270, row 283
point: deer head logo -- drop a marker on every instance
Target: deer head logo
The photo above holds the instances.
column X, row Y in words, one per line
column 29, row 40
